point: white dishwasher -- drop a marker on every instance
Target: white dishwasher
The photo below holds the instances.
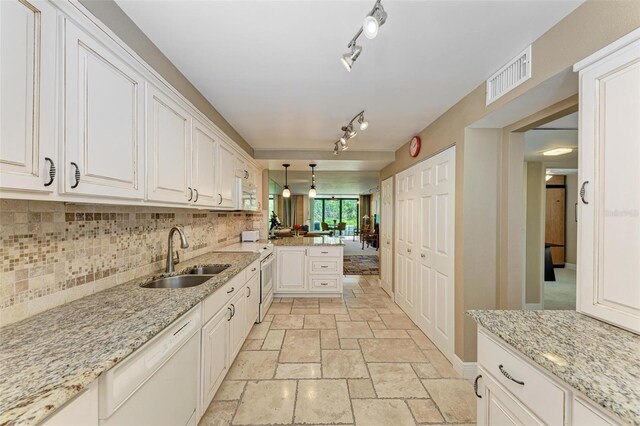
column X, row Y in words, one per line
column 158, row 383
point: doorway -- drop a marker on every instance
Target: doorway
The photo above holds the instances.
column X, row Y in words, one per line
column 551, row 167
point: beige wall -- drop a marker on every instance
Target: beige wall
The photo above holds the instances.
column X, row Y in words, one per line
column 119, row 22
column 535, row 214
column 590, row 27
column 571, row 237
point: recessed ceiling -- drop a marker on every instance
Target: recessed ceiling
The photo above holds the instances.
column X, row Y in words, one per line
column 272, row 68
column 328, row 183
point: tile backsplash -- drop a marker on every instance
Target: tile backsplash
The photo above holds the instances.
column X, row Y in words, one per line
column 52, row 253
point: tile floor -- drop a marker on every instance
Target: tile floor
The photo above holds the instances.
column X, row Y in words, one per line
column 357, row 360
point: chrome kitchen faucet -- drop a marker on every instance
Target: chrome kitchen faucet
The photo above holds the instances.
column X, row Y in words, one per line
column 183, row 244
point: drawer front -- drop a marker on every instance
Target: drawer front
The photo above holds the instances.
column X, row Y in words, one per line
column 212, row 304
column 544, row 398
column 324, row 283
column 252, row 270
column 325, row 251
column 321, row 265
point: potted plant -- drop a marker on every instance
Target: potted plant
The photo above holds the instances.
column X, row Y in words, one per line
column 297, row 229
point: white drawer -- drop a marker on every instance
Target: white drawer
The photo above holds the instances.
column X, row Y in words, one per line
column 212, row 304
column 325, row 251
column 324, row 283
column 252, row 269
column 544, row 398
column 323, row 265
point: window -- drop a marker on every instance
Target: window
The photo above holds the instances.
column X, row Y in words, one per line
column 336, row 210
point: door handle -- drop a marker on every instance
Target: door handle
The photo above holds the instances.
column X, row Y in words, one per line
column 475, row 385
column 583, row 191
column 76, row 175
column 408, row 250
column 234, row 310
column 422, row 255
column 197, row 196
column 52, row 171
column 190, row 193
column 230, row 313
column 220, row 195
column 249, row 295
column 575, row 212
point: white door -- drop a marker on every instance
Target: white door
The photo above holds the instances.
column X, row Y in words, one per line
column 215, row 355
column 386, row 236
column 203, row 163
column 27, row 95
column 609, row 222
column 168, row 148
column 435, row 227
column 226, row 175
column 104, row 116
column 292, row 270
column 238, row 323
column 406, row 222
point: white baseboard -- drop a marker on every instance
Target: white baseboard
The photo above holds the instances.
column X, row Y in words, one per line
column 571, row 266
column 466, row 369
column 533, row 307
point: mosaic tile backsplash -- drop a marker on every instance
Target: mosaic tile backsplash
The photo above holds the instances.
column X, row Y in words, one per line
column 52, row 253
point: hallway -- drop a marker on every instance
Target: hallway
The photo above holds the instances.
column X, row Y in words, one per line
column 359, row 360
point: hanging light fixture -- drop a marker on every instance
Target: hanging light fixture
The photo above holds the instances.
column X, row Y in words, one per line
column 348, row 132
column 370, row 27
column 286, row 192
column 312, row 190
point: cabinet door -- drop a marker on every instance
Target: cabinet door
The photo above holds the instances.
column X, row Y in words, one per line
column 104, row 116
column 81, row 411
column 292, row 270
column 609, row 223
column 386, row 227
column 242, row 170
column 215, row 355
column 203, row 163
column 168, row 148
column 238, row 323
column 499, row 407
column 27, row 94
column 253, row 301
column 225, row 177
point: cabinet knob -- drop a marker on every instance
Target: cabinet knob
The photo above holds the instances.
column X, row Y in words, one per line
column 76, row 175
column 52, row 171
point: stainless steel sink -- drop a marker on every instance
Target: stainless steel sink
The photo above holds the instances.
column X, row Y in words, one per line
column 208, row 269
column 177, row 281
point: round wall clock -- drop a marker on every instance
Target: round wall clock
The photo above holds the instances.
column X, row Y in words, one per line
column 414, row 146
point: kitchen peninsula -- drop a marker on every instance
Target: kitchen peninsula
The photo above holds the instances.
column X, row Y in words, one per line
column 309, row 267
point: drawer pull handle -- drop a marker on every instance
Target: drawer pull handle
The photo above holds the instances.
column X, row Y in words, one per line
column 324, row 283
column 253, row 270
column 231, row 290
column 475, row 385
column 324, row 252
column 508, row 376
column 323, row 266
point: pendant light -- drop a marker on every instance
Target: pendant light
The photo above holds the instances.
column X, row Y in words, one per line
column 312, row 190
column 286, row 192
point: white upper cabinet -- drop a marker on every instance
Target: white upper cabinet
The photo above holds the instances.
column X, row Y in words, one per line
column 168, row 148
column 225, row 176
column 27, row 95
column 104, row 116
column 609, row 200
column 203, row 166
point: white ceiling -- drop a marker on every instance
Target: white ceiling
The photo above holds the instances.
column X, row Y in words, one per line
column 567, row 122
column 272, row 68
column 538, row 141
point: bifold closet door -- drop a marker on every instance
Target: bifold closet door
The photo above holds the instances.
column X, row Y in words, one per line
column 435, row 262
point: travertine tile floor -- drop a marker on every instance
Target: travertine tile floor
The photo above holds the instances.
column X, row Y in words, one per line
column 357, row 360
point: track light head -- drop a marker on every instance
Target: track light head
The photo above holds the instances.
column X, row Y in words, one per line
column 374, row 21
column 343, row 140
column 349, row 58
column 363, row 123
column 345, row 147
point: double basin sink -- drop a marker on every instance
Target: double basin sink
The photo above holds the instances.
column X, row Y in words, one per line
column 193, row 277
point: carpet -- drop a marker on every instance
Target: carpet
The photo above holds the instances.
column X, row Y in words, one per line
column 361, row 265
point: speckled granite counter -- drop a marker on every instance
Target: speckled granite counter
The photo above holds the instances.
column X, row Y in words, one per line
column 308, row 241
column 595, row 358
column 49, row 358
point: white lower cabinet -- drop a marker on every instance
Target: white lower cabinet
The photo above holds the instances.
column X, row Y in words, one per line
column 238, row 322
column 81, row 411
column 253, row 300
column 315, row 271
column 511, row 390
column 292, row 269
column 215, row 355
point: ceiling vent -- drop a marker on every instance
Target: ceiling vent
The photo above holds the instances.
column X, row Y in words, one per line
column 510, row 76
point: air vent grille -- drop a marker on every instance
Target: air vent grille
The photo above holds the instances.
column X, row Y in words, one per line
column 510, row 76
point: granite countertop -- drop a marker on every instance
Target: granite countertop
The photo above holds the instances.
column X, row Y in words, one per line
column 308, row 241
column 593, row 357
column 49, row 358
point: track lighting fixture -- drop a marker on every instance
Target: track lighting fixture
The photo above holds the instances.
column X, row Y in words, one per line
column 312, row 190
column 348, row 132
column 370, row 27
column 286, row 192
